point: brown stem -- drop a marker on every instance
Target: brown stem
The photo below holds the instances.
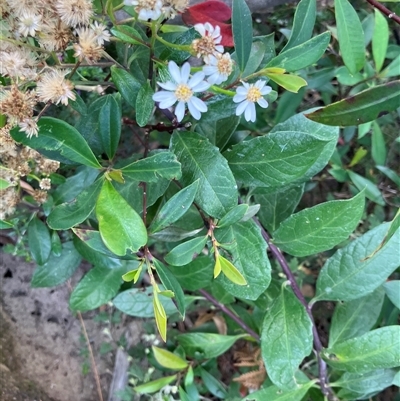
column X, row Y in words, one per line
column 384, row 10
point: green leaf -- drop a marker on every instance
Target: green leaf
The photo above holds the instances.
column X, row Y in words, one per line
column 39, row 241
column 320, row 227
column 378, row 148
column 56, row 245
column 248, row 250
column 160, row 316
column 171, row 283
column 274, row 393
column 127, row 34
column 217, row 191
column 128, row 86
column 209, row 345
column 392, row 289
column 380, row 39
column 132, row 275
column 116, row 216
column 175, row 207
column 4, row 225
column 285, row 341
column 377, row 349
column 348, row 275
column 303, row 24
column 390, row 174
column 278, row 205
column 150, row 169
column 256, row 56
column 110, row 125
column 183, row 254
column 144, row 104
column 303, row 55
column 242, row 29
column 168, row 359
column 69, row 214
column 355, row 318
column 392, row 70
column 366, row 106
column 57, row 269
column 231, row 272
column 233, row 216
column 213, row 385
column 372, row 192
column 96, row 288
column 350, row 35
column 61, row 139
column 155, row 385
column 290, row 82
column 4, row 184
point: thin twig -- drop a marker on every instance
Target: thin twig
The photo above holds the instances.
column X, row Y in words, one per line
column 228, row 312
column 384, row 10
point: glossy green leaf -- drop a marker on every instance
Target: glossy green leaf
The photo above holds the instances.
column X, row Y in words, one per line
column 116, row 216
column 242, row 29
column 175, row 207
column 233, row 216
column 57, row 269
column 392, row 289
column 39, row 241
column 365, row 106
column 274, row 393
column 231, row 272
column 150, row 169
column 303, row 55
column 154, row 385
column 248, row 250
column 175, row 234
column 213, row 385
column 377, row 349
column 160, row 316
column 372, row 192
column 96, row 288
column 355, row 318
column 128, row 86
column 59, row 138
column 110, row 125
column 378, row 146
column 168, row 360
column 183, row 254
column 303, row 24
column 217, row 192
column 276, row 206
column 285, row 341
column 127, row 34
column 144, row 104
column 290, row 82
column 169, row 282
column 208, row 345
column 380, row 39
column 350, row 35
column 348, row 275
column 56, row 245
column 320, row 227
column 69, row 214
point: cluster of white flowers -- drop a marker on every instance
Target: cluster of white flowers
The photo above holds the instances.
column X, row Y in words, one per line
column 153, row 9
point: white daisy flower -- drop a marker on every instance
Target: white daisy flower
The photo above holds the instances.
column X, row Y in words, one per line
column 182, row 90
column 247, row 95
column 29, row 23
column 146, row 9
column 53, row 87
column 219, row 68
column 209, row 43
column 101, row 32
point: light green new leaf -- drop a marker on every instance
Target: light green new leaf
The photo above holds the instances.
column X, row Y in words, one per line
column 377, row 349
column 209, row 345
column 320, row 227
column 128, row 86
column 57, row 269
column 115, row 216
column 380, row 39
column 291, row 83
column 144, row 104
column 392, row 289
column 350, row 36
column 4, row 184
column 233, row 216
column 175, row 207
column 183, row 254
column 57, row 139
column 242, row 30
column 155, row 385
column 303, row 24
column 150, row 169
column 168, row 359
column 39, row 241
column 132, row 275
column 286, row 339
column 392, row 70
column 354, row 318
column 217, row 192
column 274, row 393
column 231, row 272
column 96, row 288
column 69, row 214
column 160, row 316
column 372, row 192
column 349, row 274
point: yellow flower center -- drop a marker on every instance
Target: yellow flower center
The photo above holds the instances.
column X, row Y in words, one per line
column 204, row 46
column 254, row 94
column 183, row 93
column 224, row 66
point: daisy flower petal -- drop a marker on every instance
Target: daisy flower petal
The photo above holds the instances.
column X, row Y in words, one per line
column 196, row 79
column 180, row 111
column 200, row 105
column 169, row 86
column 175, row 71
